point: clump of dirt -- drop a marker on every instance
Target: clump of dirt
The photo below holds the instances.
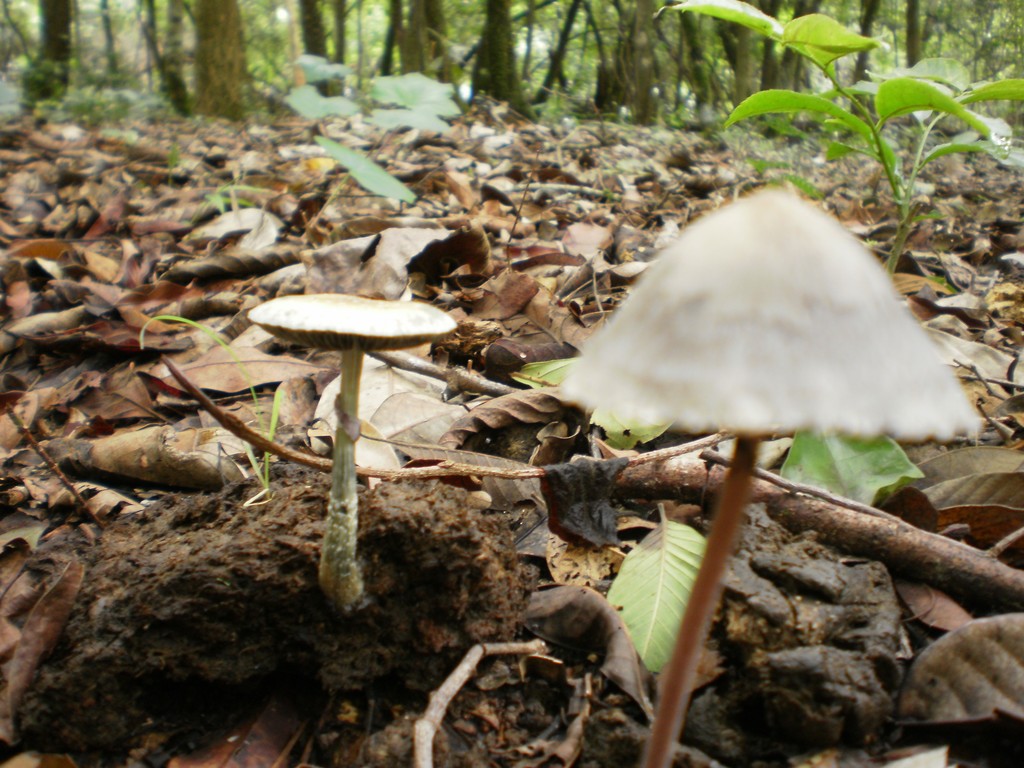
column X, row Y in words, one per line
column 200, row 594
column 812, row 639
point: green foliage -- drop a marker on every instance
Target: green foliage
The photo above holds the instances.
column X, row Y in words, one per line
column 96, row 106
column 230, row 196
column 932, row 90
column 865, row 470
column 653, row 587
column 420, row 102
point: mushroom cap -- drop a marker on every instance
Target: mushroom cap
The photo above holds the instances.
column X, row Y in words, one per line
column 339, row 321
column 768, row 316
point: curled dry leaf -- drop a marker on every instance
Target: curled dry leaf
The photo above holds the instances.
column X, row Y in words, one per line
column 974, row 673
column 579, row 617
column 528, row 407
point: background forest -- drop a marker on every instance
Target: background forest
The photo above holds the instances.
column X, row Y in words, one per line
column 233, row 58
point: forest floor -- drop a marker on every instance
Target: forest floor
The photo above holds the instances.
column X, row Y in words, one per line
column 159, row 607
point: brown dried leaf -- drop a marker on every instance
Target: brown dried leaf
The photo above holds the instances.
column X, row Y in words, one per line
column 534, row 406
column 582, row 618
column 932, row 606
column 971, row 674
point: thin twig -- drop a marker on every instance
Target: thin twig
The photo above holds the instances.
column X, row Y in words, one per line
column 455, row 377
column 1005, row 543
column 52, row 465
column 807, row 490
column 427, row 726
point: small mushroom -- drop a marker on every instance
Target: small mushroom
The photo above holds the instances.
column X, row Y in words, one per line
column 353, row 325
column 764, row 317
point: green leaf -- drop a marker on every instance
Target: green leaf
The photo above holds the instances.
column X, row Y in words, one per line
column 317, row 68
column 307, row 101
column 865, row 470
column 903, row 95
column 823, row 39
column 837, row 149
column 417, row 92
column 779, row 100
column 547, row 373
column 624, row 435
column 653, row 587
column 1003, row 90
column 737, row 12
column 367, row 173
column 955, row 148
column 948, row 71
column 389, row 119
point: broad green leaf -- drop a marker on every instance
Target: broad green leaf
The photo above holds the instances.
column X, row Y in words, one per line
column 389, row 119
column 367, row 173
column 736, row 12
column 317, row 68
column 417, row 92
column 951, row 149
column 824, row 39
column 903, row 95
column 947, row 71
column 624, row 435
column 653, row 587
column 865, row 470
column 547, row 373
column 999, row 91
column 777, row 100
column 307, row 101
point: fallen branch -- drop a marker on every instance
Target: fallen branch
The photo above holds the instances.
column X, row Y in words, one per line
column 427, row 726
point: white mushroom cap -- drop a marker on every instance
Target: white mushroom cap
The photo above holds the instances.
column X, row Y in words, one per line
column 339, row 321
column 768, row 316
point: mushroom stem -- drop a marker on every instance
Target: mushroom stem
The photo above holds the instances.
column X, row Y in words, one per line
column 341, row 579
column 677, row 677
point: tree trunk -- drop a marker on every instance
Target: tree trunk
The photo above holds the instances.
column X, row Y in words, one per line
column 642, row 99
column 913, row 32
column 868, row 14
column 53, row 65
column 314, row 41
column 173, row 82
column 495, row 71
column 413, row 43
column 339, row 9
column 438, row 60
column 220, row 59
column 555, row 70
column 392, row 38
column 109, row 45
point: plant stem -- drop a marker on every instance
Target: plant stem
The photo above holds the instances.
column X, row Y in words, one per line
column 678, row 677
column 340, row 576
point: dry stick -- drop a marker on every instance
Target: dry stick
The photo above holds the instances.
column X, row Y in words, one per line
column 427, row 726
column 904, row 549
column 52, row 466
column 678, row 676
column 454, row 376
column 240, row 429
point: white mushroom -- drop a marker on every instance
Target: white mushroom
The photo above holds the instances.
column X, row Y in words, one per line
column 766, row 316
column 353, row 325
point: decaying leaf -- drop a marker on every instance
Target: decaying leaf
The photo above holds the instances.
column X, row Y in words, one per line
column 973, row 673
column 581, row 618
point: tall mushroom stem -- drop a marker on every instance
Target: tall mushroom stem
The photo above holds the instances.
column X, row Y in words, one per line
column 341, row 578
column 677, row 677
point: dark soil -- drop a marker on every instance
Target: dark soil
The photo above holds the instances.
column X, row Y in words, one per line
column 201, row 595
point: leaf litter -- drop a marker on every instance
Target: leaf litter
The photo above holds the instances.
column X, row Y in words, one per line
column 529, row 237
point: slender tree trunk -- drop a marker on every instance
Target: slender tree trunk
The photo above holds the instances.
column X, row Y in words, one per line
column 555, row 70
column 414, row 41
column 438, row 60
column 174, row 86
column 913, row 32
column 339, row 9
column 643, row 100
column 220, row 59
column 531, row 21
column 770, row 53
column 109, row 45
column 868, row 13
column 393, row 37
column 314, row 40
